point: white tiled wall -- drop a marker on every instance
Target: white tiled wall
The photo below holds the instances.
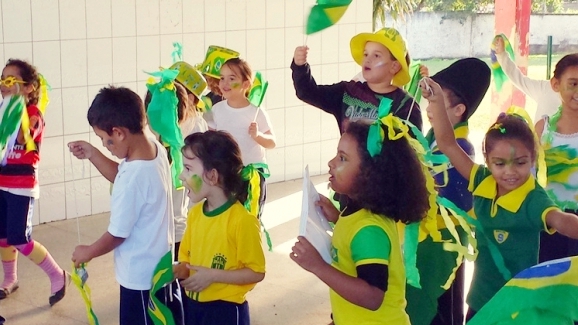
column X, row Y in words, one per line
column 83, row 45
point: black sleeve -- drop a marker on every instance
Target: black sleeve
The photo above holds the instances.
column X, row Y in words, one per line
column 326, row 97
column 374, row 274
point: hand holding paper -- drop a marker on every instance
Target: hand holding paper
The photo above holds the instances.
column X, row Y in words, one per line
column 314, row 225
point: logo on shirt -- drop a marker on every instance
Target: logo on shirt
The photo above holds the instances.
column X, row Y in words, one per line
column 219, row 261
column 334, row 254
column 500, row 236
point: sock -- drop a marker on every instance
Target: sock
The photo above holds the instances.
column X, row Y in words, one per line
column 9, row 254
column 39, row 255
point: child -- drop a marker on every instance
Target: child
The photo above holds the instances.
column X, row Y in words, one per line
column 141, row 198
column 511, row 208
column 211, row 70
column 190, row 119
column 382, row 56
column 540, row 91
column 559, row 137
column 19, row 188
column 464, row 84
column 220, row 257
column 249, row 125
column 367, row 277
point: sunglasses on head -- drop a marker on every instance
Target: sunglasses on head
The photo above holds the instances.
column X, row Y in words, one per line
column 11, row 81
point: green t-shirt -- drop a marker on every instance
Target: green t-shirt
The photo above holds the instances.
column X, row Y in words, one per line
column 512, row 223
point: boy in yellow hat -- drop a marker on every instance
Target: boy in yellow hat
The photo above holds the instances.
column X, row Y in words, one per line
column 384, row 60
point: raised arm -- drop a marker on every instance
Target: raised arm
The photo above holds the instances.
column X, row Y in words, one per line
column 443, row 129
column 325, row 97
column 536, row 89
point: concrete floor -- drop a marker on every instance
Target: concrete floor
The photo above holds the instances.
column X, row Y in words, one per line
column 288, row 294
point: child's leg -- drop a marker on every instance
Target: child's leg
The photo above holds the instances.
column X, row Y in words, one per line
column 19, row 211
column 39, row 255
column 217, row 312
column 8, row 253
column 133, row 307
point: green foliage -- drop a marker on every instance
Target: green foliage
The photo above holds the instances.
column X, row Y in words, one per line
column 538, row 6
column 547, row 6
column 397, row 9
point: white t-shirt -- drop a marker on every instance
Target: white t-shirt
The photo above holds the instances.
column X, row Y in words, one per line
column 236, row 121
column 547, row 100
column 141, row 209
column 180, row 198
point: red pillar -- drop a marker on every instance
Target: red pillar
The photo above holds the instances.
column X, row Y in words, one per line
column 512, row 18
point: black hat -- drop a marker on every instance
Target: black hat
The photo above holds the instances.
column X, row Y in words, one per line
column 469, row 79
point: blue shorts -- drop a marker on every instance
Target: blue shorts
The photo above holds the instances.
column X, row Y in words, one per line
column 134, row 306
column 216, row 312
column 16, row 218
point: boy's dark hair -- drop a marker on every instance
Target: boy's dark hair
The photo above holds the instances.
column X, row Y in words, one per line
column 510, row 127
column 117, row 107
column 182, row 98
column 392, row 183
column 570, row 60
column 218, row 150
column 29, row 75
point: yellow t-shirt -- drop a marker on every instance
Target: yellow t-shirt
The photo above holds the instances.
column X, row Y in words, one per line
column 227, row 238
column 353, row 245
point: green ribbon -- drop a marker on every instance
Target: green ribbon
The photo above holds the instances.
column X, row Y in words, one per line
column 376, row 135
column 177, row 52
column 163, row 118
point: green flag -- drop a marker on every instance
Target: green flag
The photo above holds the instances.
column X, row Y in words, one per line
column 324, row 14
column 163, row 274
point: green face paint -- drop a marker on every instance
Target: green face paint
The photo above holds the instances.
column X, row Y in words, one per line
column 235, row 85
column 195, row 183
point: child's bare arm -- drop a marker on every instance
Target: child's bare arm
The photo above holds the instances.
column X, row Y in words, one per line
column 84, row 150
column 105, row 244
column 355, row 290
column 443, row 128
column 264, row 139
column 203, row 277
column 564, row 223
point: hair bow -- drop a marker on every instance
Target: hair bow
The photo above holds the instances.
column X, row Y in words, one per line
column 396, row 129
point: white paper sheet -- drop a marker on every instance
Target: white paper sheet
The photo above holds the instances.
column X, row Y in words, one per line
column 314, row 226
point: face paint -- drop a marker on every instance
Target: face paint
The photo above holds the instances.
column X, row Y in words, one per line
column 235, row 85
column 379, row 64
column 195, row 183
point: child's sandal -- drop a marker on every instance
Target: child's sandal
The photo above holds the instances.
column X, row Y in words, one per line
column 58, row 295
column 5, row 292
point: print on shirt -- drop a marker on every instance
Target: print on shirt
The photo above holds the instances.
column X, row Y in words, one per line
column 500, row 236
column 334, row 254
column 219, row 261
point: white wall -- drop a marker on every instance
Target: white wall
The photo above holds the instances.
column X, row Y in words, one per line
column 83, row 45
column 458, row 34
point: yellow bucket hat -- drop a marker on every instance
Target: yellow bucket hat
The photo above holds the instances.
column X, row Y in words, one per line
column 215, row 58
column 392, row 40
column 190, row 78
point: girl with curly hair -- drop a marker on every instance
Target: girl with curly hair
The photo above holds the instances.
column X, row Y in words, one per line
column 366, row 276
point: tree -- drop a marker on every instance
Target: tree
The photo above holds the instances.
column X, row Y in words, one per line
column 397, row 9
